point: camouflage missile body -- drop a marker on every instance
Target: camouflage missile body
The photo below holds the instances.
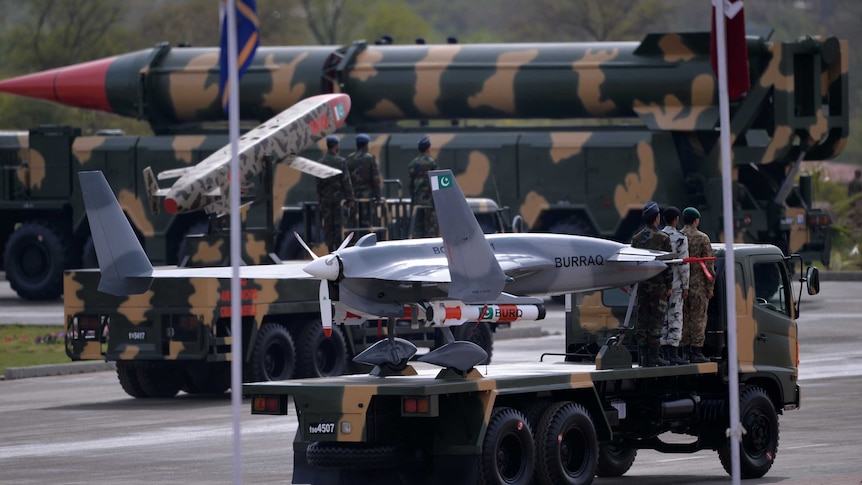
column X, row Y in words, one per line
column 666, row 81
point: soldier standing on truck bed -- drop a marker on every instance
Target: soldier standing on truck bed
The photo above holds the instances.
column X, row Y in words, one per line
column 700, row 288
column 672, row 329
column 653, row 293
column 331, row 192
column 420, row 190
column 365, row 176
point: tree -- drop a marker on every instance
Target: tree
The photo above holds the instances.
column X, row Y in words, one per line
column 584, row 20
column 334, row 22
column 56, row 33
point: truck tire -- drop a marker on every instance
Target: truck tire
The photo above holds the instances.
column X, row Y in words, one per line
column 273, row 357
column 480, row 334
column 35, row 258
column 568, row 448
column 319, row 356
column 759, row 444
column 127, row 373
column 158, row 380
column 615, row 460
column 349, row 456
column 508, row 451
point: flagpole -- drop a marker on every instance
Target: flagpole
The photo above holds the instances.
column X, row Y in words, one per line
column 235, row 301
column 734, row 431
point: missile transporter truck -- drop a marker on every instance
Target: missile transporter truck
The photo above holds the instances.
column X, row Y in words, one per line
column 574, row 138
column 564, row 421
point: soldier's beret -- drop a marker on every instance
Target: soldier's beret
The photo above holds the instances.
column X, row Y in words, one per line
column 362, row 139
column 670, row 213
column 332, row 139
column 650, row 210
column 424, row 143
column 690, row 214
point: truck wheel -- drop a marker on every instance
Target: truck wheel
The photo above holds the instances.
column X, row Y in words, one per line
column 350, row 456
column 318, row 356
column 615, row 460
column 759, row 444
column 480, row 334
column 274, row 355
column 567, row 445
column 35, row 258
column 508, row 451
column 127, row 373
column 157, row 380
column 534, row 410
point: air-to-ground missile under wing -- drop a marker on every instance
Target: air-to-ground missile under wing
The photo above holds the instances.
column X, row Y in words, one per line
column 281, row 139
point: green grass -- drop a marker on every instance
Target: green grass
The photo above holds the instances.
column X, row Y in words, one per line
column 18, row 347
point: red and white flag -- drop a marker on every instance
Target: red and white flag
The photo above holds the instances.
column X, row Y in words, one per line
column 738, row 81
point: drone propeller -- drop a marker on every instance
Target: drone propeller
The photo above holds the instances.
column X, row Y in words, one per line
column 324, row 269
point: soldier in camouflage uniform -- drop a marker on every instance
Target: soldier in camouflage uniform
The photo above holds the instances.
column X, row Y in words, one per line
column 653, row 293
column 420, row 190
column 672, row 329
column 332, row 192
column 365, row 176
column 700, row 287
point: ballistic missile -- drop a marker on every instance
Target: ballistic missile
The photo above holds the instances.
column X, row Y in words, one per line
column 206, row 185
column 665, row 80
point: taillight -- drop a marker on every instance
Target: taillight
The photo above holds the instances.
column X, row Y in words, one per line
column 418, row 406
column 269, row 405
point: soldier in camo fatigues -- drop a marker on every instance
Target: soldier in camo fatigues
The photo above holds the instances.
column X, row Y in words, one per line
column 331, row 192
column 653, row 293
column 700, row 287
column 365, row 176
column 420, row 190
column 672, row 329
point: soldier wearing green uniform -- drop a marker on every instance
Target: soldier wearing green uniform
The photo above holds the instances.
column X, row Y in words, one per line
column 653, row 293
column 365, row 177
column 700, row 287
column 332, row 192
column 420, row 190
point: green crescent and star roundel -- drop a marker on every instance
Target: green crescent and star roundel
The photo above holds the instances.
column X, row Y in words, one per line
column 441, row 182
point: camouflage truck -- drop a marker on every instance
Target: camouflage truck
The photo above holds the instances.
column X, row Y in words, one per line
column 560, row 422
column 177, row 335
column 573, row 137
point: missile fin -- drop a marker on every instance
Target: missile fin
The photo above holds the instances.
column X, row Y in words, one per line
column 311, row 167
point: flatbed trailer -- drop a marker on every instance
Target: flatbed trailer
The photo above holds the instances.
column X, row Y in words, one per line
column 563, row 422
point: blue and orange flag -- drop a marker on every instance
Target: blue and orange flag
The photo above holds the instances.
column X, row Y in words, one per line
column 247, row 40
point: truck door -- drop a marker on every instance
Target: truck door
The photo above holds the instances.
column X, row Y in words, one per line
column 775, row 336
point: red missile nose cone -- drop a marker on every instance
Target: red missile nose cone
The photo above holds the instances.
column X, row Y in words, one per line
column 80, row 85
column 170, row 205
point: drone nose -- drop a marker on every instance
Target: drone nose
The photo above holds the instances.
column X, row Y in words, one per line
column 325, row 268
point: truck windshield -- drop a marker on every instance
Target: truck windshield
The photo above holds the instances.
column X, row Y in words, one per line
column 770, row 288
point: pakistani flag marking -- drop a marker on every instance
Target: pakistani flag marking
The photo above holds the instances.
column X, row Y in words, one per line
column 441, row 182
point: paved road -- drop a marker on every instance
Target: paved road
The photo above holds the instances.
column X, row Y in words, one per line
column 83, row 429
column 16, row 310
